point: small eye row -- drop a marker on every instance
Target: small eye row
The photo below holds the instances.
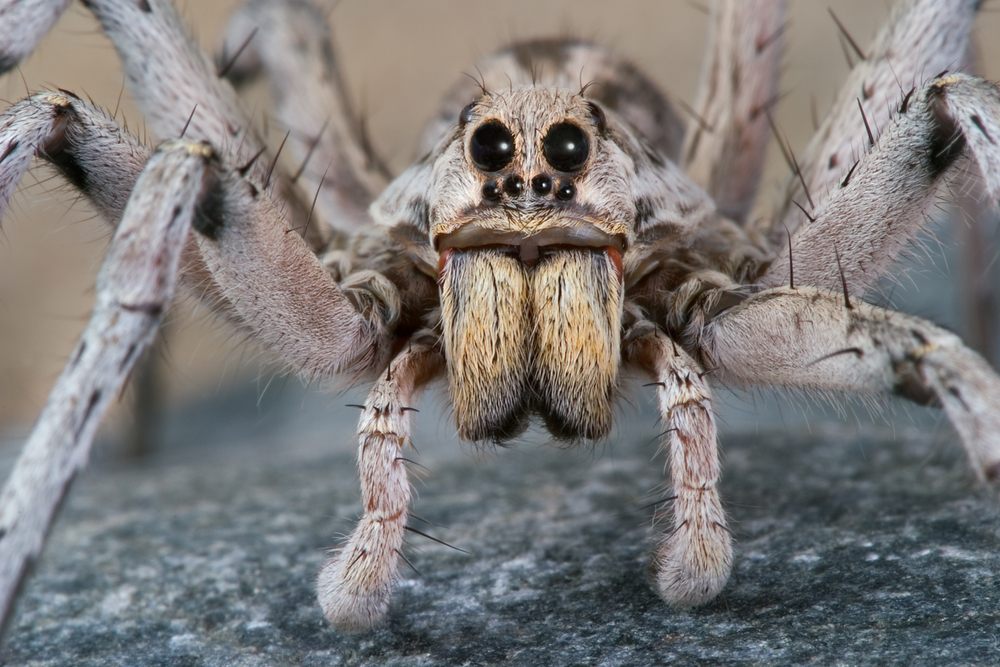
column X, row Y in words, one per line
column 565, row 147
column 541, row 185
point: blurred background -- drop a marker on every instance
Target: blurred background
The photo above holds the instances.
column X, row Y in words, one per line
column 399, row 57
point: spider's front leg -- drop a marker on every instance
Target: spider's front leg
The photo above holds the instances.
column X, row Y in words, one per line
column 693, row 560
column 828, row 339
column 859, row 229
column 134, row 288
column 245, row 260
column 355, row 585
column 814, row 339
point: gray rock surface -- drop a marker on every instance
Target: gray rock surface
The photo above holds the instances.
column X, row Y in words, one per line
column 855, row 548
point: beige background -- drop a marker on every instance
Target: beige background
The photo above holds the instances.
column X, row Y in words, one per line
column 399, row 55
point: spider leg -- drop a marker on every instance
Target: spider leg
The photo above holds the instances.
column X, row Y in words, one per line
column 693, row 560
column 812, row 339
column 26, row 22
column 245, row 261
column 80, row 140
column 355, row 585
column 278, row 291
column 921, row 39
column 882, row 203
column 290, row 42
column 727, row 135
column 173, row 81
column 181, row 95
column 974, row 221
column 974, row 227
column 134, row 288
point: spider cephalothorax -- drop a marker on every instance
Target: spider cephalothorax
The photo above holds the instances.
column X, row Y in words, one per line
column 533, row 217
column 552, row 236
column 530, row 246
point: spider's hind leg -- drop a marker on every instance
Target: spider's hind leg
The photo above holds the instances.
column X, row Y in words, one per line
column 728, row 132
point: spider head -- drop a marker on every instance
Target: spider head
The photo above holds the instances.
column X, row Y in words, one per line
column 528, row 213
column 534, row 211
column 531, row 169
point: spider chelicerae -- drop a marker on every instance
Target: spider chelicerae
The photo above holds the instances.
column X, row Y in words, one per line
column 563, row 225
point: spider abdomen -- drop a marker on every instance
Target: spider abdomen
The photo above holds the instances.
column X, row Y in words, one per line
column 541, row 337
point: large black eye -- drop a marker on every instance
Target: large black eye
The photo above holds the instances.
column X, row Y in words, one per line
column 492, row 146
column 566, row 147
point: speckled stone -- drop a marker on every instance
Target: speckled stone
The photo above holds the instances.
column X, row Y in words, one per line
column 853, row 549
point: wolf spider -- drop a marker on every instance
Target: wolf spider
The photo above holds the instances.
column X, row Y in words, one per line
column 562, row 226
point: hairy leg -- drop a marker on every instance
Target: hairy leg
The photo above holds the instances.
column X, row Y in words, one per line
column 23, row 24
column 355, row 585
column 884, row 200
column 289, row 41
column 814, row 339
column 727, row 136
column 693, row 560
column 974, row 227
column 173, row 81
column 245, row 261
column 80, row 140
column 264, row 278
column 921, row 39
column 134, row 288
column 180, row 93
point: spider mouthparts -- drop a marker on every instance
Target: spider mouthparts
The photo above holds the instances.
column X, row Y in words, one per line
column 542, row 340
column 615, row 256
column 528, row 247
column 443, row 259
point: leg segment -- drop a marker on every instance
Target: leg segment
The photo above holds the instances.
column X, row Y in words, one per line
column 23, row 24
column 134, row 288
column 277, row 291
column 727, row 138
column 355, row 585
column 171, row 77
column 885, row 199
column 973, row 226
column 921, row 39
column 693, row 560
column 180, row 94
column 245, row 262
column 809, row 338
column 80, row 140
column 289, row 41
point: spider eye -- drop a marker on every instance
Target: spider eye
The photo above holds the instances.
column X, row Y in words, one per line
column 466, row 115
column 492, row 146
column 565, row 146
